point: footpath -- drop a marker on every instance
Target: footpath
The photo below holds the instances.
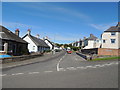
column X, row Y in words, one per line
column 45, row 57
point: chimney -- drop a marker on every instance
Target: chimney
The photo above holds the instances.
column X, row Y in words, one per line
column 43, row 38
column 37, row 35
column 118, row 25
column 84, row 37
column 91, row 35
column 28, row 31
column 17, row 32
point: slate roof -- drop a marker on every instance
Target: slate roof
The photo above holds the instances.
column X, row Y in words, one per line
column 37, row 41
column 6, row 34
column 92, row 37
column 50, row 42
column 114, row 28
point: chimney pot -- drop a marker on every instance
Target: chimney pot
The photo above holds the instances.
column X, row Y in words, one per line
column 17, row 32
column 37, row 35
column 84, row 37
column 91, row 35
column 28, row 31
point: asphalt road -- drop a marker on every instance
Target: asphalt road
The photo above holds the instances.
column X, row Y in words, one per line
column 65, row 71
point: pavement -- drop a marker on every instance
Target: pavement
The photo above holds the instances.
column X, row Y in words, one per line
column 63, row 71
column 45, row 57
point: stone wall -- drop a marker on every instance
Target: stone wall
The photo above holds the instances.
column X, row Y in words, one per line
column 107, row 51
column 18, row 58
column 90, row 51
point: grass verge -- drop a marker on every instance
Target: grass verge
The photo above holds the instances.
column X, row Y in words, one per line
column 107, row 58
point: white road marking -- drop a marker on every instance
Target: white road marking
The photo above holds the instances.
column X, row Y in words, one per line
column 88, row 66
column 62, row 69
column 80, row 67
column 33, row 72
column 48, row 71
column 71, row 68
column 17, row 73
column 58, row 64
column 98, row 65
column 93, row 67
column 101, row 65
column 3, row 75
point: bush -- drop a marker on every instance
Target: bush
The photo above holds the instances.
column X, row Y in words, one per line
column 57, row 50
column 47, row 50
column 75, row 48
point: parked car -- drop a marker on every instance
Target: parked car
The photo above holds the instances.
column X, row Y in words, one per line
column 69, row 51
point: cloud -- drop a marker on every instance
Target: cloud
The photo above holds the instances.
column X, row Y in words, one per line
column 103, row 27
column 55, row 12
column 18, row 25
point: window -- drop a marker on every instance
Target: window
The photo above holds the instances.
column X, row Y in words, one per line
column 33, row 47
column 103, row 41
column 112, row 40
column 113, row 33
column 97, row 40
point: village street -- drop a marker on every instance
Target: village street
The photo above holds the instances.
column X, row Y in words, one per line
column 64, row 71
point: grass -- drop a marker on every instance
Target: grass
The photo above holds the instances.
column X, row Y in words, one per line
column 106, row 58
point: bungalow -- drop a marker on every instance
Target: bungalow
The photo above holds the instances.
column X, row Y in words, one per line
column 111, row 41
column 11, row 43
column 49, row 43
column 35, row 44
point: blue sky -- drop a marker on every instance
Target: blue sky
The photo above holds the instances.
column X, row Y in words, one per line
column 62, row 22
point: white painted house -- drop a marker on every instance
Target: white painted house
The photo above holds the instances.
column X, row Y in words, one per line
column 91, row 42
column 111, row 41
column 49, row 43
column 111, row 37
column 35, row 44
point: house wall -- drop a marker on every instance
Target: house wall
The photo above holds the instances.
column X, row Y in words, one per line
column 49, row 44
column 108, row 51
column 107, row 37
column 98, row 43
column 14, row 48
column 90, row 44
column 93, row 44
column 85, row 42
column 31, row 45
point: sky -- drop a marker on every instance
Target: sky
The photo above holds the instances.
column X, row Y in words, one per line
column 62, row 22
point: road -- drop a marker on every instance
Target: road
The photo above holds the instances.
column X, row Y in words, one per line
column 65, row 71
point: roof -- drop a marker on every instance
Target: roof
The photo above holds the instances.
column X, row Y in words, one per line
column 114, row 28
column 92, row 37
column 8, row 35
column 50, row 42
column 37, row 41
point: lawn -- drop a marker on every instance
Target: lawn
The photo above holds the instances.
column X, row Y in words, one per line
column 106, row 58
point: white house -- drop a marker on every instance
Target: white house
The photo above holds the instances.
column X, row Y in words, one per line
column 91, row 42
column 77, row 43
column 49, row 43
column 111, row 41
column 35, row 44
column 111, row 38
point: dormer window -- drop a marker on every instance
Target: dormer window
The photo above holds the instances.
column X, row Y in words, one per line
column 113, row 33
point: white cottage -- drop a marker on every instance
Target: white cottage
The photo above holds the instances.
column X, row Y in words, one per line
column 35, row 44
column 49, row 43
